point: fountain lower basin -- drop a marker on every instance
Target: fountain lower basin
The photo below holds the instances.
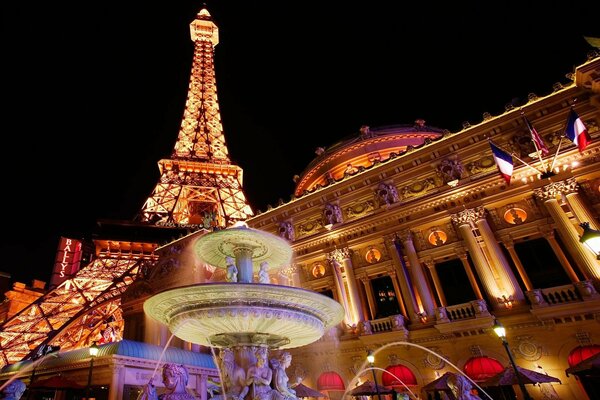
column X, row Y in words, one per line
column 233, row 314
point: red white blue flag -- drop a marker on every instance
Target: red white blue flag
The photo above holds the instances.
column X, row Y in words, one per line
column 537, row 139
column 504, row 162
column 577, row 132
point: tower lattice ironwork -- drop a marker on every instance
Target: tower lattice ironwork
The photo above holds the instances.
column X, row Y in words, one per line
column 198, row 188
column 198, row 184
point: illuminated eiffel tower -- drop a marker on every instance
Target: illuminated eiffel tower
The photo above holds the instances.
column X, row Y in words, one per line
column 198, row 188
column 198, row 184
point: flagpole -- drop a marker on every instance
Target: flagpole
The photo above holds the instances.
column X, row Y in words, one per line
column 537, row 149
column 512, row 154
column 556, row 154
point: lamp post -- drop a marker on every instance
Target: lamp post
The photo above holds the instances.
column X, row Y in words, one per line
column 501, row 332
column 371, row 360
column 93, row 353
column 590, row 238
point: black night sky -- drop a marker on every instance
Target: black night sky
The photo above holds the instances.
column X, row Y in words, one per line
column 93, row 92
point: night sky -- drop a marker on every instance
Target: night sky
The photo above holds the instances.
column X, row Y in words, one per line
column 93, row 92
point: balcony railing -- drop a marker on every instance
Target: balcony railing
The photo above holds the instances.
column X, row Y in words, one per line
column 565, row 294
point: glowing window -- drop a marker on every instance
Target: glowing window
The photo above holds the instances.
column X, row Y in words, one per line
column 318, row 270
column 437, row 237
column 515, row 216
column 373, row 255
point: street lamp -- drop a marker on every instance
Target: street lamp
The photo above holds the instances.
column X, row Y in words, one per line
column 93, row 354
column 590, row 238
column 371, row 360
column 501, row 332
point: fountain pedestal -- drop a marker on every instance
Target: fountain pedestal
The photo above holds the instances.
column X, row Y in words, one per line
column 245, row 318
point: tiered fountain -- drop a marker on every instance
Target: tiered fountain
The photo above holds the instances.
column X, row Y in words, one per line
column 245, row 319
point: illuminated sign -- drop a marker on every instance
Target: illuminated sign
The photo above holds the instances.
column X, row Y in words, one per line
column 67, row 262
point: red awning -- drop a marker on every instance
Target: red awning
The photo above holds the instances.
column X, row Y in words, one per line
column 580, row 353
column 398, row 374
column 482, row 368
column 331, row 381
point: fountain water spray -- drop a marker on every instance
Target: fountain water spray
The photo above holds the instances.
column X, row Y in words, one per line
column 364, row 365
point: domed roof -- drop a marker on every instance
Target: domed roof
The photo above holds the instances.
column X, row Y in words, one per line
column 357, row 153
column 398, row 375
column 330, row 380
column 580, row 353
column 482, row 368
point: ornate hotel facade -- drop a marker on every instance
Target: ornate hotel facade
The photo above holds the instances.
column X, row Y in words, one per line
column 410, row 227
column 413, row 230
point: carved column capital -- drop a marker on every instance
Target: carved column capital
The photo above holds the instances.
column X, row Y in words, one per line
column 429, row 263
column 469, row 215
column 405, row 235
column 553, row 189
column 339, row 255
column 292, row 269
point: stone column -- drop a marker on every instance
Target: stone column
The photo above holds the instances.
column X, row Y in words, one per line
column 584, row 258
column 341, row 290
column 370, row 297
column 342, row 256
column 580, row 210
column 436, row 282
column 203, row 386
column 462, row 254
column 548, row 234
column 507, row 282
column 466, row 223
column 395, row 250
column 510, row 246
column 417, row 274
column 117, row 382
column 364, row 302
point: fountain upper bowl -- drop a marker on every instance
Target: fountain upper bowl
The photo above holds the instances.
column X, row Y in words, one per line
column 237, row 314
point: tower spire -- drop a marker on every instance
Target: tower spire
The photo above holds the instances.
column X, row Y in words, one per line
column 198, row 184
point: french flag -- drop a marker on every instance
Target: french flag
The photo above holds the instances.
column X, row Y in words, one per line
column 504, row 162
column 577, row 132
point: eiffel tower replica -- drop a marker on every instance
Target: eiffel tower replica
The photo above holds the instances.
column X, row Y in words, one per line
column 198, row 189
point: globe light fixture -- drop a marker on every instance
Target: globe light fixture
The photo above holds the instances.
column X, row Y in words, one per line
column 501, row 332
column 93, row 354
column 590, row 238
column 371, row 360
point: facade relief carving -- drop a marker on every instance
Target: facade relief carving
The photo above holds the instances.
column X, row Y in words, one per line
column 418, row 188
column 360, row 209
column 310, row 227
column 484, row 164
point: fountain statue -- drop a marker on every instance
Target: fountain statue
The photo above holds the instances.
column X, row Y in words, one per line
column 246, row 317
column 13, row 390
